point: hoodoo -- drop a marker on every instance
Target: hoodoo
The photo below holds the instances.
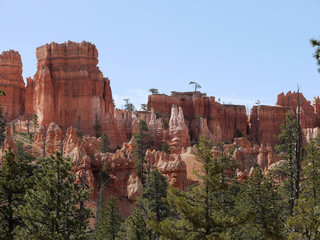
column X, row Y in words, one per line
column 12, row 83
column 69, row 89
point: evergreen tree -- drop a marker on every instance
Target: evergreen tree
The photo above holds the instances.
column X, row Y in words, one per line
column 128, row 106
column 104, row 143
column 108, row 221
column 154, row 192
column 143, row 107
column 140, row 149
column 3, row 126
column 260, row 200
column 316, row 43
column 288, row 171
column 13, row 127
column 35, row 123
column 134, row 228
column 305, row 222
column 52, row 205
column 198, row 214
column 153, row 90
column 165, row 147
column 13, row 185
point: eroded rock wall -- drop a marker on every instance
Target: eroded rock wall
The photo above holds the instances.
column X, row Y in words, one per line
column 12, row 83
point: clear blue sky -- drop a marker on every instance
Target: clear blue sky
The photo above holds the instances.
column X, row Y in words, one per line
column 239, row 51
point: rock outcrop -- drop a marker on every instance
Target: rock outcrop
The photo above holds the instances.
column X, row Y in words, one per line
column 223, row 121
column 265, row 123
column 310, row 115
column 69, row 89
column 178, row 131
column 12, row 83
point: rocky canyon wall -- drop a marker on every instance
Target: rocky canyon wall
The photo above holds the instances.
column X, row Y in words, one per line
column 223, row 121
column 12, row 83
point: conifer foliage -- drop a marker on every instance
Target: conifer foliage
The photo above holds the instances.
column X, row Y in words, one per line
column 52, row 204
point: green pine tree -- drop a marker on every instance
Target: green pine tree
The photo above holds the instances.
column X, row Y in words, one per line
column 287, row 171
column 261, row 202
column 13, row 185
column 134, row 228
column 154, row 192
column 104, row 143
column 305, row 222
column 108, row 220
column 140, row 149
column 198, row 212
column 52, row 205
column 3, row 126
column 316, row 43
column 165, row 147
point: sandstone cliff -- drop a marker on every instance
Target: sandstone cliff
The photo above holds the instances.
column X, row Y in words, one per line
column 223, row 121
column 69, row 89
column 12, row 83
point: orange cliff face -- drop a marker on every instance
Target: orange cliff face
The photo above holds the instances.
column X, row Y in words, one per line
column 203, row 113
column 70, row 90
column 12, row 83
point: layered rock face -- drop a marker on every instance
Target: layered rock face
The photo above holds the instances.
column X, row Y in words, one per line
column 223, row 121
column 310, row 115
column 69, row 89
column 29, row 109
column 12, row 83
column 265, row 123
column 88, row 161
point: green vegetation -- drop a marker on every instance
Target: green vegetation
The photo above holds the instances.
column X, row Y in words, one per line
column 104, row 143
column 128, row 105
column 153, row 90
column 140, row 149
column 316, row 43
column 196, row 85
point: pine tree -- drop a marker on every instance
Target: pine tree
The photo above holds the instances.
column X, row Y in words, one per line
column 154, row 192
column 108, row 221
column 316, row 43
column 305, row 222
column 165, row 147
column 140, row 148
column 288, row 171
column 3, row 126
column 52, row 205
column 13, row 185
column 35, row 123
column 134, row 228
column 104, row 143
column 198, row 213
column 260, row 200
column 13, row 127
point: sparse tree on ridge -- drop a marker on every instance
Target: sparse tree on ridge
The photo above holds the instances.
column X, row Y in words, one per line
column 196, row 85
column 128, row 106
column 153, row 90
column 140, row 149
column 143, row 107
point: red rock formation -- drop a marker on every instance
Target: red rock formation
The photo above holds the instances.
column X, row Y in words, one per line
column 29, row 109
column 178, row 131
column 12, row 83
column 265, row 123
column 69, row 89
column 89, row 161
column 223, row 121
column 309, row 118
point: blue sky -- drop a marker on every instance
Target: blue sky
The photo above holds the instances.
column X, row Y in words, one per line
column 239, row 51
